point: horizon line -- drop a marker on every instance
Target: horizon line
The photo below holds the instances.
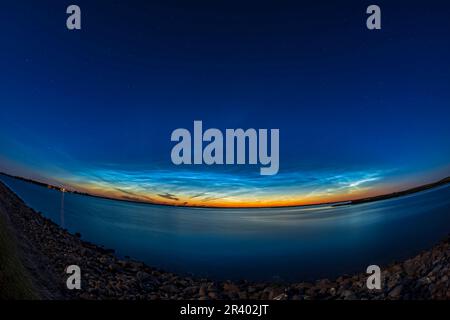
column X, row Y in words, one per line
column 395, row 194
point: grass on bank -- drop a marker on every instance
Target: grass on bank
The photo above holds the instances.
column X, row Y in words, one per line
column 15, row 283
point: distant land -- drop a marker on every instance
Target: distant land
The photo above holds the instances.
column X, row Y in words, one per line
column 335, row 204
column 404, row 192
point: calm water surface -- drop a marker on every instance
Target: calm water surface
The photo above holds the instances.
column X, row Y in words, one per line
column 257, row 244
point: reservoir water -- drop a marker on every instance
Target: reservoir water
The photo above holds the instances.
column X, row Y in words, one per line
column 291, row 244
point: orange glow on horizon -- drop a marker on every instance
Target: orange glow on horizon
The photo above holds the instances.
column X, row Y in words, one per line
column 236, row 202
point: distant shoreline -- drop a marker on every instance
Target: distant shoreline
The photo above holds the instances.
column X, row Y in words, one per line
column 392, row 195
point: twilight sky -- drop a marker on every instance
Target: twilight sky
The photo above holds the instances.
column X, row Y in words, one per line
column 360, row 112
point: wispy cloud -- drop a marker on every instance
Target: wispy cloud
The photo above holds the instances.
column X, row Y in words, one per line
column 215, row 188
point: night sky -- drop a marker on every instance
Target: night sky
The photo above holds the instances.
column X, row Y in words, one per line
column 360, row 112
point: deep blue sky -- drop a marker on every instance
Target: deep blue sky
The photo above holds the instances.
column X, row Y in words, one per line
column 358, row 110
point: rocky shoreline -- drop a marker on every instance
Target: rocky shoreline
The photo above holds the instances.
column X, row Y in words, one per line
column 46, row 250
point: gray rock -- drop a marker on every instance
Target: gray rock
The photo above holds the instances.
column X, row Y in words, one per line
column 395, row 293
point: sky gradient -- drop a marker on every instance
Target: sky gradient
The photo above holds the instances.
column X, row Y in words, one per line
column 360, row 112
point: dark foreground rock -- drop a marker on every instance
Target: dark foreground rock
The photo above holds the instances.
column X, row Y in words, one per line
column 47, row 250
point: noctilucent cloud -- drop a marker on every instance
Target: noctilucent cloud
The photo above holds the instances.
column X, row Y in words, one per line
column 360, row 112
